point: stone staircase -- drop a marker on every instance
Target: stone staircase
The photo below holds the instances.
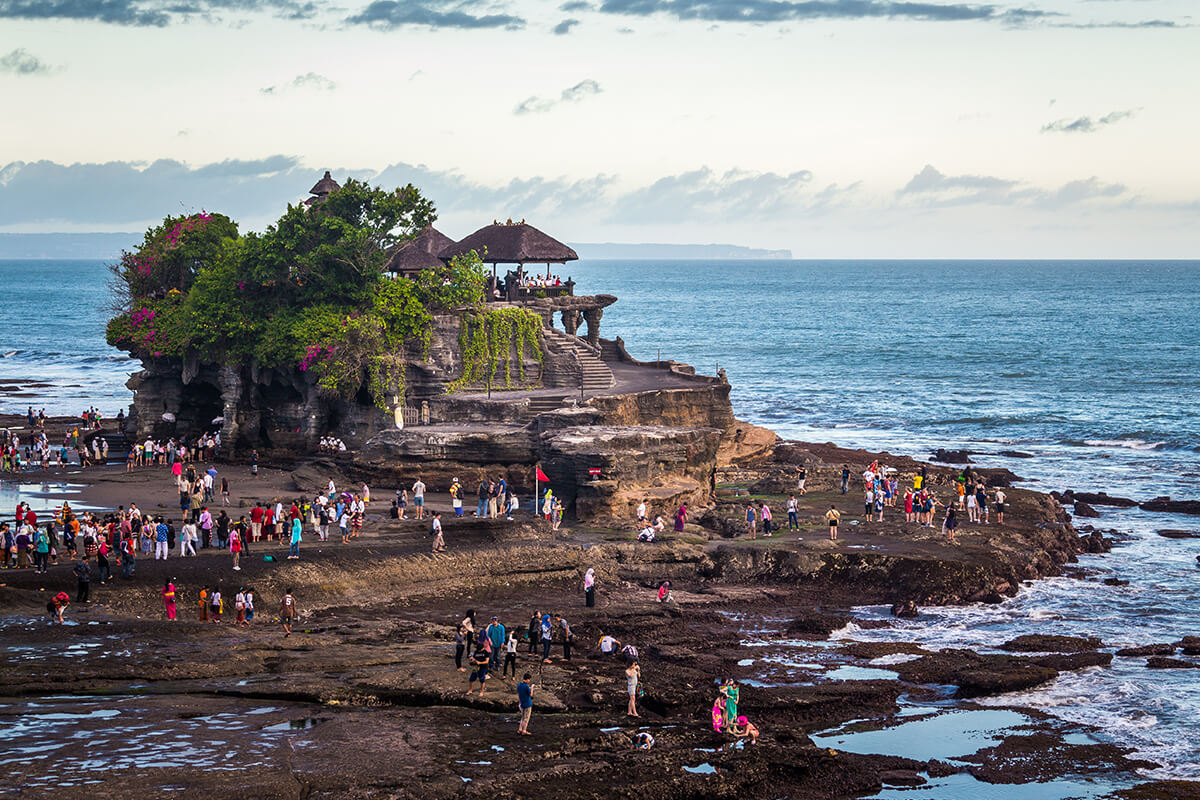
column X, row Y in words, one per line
column 540, row 404
column 596, row 374
column 609, row 351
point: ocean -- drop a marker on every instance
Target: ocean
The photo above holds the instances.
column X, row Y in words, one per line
column 1092, row 368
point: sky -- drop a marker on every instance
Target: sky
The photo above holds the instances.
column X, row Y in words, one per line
column 833, row 128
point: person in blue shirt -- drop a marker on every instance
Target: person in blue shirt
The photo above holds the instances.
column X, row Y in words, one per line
column 160, row 540
column 497, row 634
column 525, row 703
column 297, row 527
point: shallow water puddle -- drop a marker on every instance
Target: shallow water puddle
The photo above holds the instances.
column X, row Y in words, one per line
column 947, row 736
column 965, row 786
column 701, row 769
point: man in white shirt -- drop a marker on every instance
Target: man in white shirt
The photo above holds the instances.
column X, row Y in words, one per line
column 641, row 512
column 418, row 490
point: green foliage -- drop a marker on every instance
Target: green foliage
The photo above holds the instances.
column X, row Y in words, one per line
column 307, row 293
column 460, row 284
column 495, row 338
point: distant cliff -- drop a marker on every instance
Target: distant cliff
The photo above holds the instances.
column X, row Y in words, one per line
column 677, row 251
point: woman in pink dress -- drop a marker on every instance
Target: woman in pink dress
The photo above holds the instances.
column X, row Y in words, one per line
column 168, row 596
column 680, row 517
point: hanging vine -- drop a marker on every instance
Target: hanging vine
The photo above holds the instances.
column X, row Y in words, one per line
column 491, row 340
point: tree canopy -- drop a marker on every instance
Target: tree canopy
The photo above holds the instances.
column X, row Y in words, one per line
column 308, row 293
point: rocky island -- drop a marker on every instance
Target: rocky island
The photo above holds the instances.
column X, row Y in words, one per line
column 352, row 318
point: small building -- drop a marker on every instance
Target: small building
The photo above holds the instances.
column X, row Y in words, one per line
column 322, row 189
column 422, row 252
column 518, row 243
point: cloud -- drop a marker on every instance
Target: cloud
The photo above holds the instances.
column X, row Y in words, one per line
column 575, row 5
column 786, row 10
column 932, row 189
column 148, row 13
column 565, row 26
column 309, row 80
column 391, row 14
column 1087, row 124
column 704, row 195
column 22, row 62
column 572, row 94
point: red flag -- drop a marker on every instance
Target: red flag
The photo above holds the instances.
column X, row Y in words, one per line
column 541, row 476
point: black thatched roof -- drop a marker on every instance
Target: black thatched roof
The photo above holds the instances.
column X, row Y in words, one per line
column 421, row 252
column 325, row 186
column 513, row 243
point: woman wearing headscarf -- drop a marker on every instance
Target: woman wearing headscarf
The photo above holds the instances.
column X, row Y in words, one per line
column 589, row 587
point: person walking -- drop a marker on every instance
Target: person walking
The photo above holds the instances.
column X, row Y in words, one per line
column 297, row 528
column 845, row 479
column 765, row 515
column 439, row 544
column 589, row 587
column 547, row 632
column 524, row 703
column 83, row 580
column 950, row 522
column 235, row 547
column 287, row 612
column 510, row 655
column 1001, row 499
column 160, row 540
column 168, row 596
column 460, row 646
column 751, row 521
column 793, row 510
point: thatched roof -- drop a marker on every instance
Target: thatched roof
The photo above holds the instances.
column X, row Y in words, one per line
column 325, row 186
column 513, row 243
column 421, row 252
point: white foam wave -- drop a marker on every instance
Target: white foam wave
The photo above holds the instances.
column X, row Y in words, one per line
column 1130, row 444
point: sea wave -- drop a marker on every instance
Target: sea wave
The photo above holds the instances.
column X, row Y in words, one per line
column 1131, row 444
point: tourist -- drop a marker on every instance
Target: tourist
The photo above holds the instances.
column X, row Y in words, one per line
column 751, row 521
column 556, row 514
column 168, row 596
column 460, row 645
column 524, row 702
column 633, row 675
column 532, row 632
column 439, row 544
column 224, row 492
column 480, row 661
column 187, row 535
column 510, row 654
column 950, row 523
column 83, row 580
column 239, row 606
column 547, row 635
column 718, row 713
column 879, row 502
column 297, row 528
column 981, row 503
column 235, row 548
column 681, row 517
column 254, row 464
column 1001, row 500
column 845, row 479
column 972, row 507
column 793, row 510
column 869, row 504
column 287, row 612
column 742, row 727
column 57, row 605
column 729, row 690
column 564, row 635
column 765, row 515
column 249, row 600
column 664, row 592
column 216, row 604
column 418, row 490
column 23, row 541
column 402, row 502
column 832, row 517
column 203, row 603
column 589, row 587
column 513, row 504
column 497, row 635
column 41, row 548
column 608, row 645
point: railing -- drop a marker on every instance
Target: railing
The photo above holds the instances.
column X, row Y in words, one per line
column 516, row 294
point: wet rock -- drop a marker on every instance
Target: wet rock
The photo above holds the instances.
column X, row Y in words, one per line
column 1172, row 506
column 814, row 622
column 1082, row 509
column 1115, row 582
column 1042, row 756
column 976, row 675
column 1190, row 645
column 1156, row 790
column 1047, row 643
column 1095, row 542
column 1102, row 499
column 1015, row 454
column 906, row 609
column 1163, row 662
column 1176, row 533
column 952, row 456
column 901, row 777
column 1148, row 650
column 1072, row 661
column 1002, row 478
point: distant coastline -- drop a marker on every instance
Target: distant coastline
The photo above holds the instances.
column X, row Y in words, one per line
column 615, row 250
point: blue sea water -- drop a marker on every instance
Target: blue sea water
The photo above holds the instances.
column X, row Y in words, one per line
column 1093, row 368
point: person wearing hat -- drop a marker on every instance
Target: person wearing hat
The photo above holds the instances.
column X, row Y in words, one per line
column 456, row 497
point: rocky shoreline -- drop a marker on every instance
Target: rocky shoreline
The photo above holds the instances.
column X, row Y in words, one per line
column 364, row 701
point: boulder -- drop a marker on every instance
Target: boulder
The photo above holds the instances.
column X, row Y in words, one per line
column 1162, row 662
column 1094, row 542
column 952, row 456
column 901, row 777
column 1082, row 509
column 1172, row 506
column 1147, row 650
column 1190, row 645
column 1176, row 533
column 1048, row 643
column 1015, row 454
column 1115, row 582
column 1102, row 499
column 906, row 609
